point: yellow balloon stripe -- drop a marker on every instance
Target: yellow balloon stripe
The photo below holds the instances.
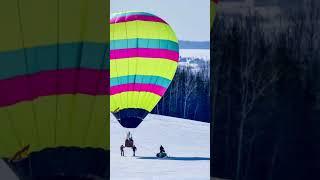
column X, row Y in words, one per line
column 143, row 66
column 51, row 22
column 150, row 30
column 55, row 121
column 131, row 99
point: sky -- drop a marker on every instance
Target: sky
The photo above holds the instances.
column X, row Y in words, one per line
column 190, row 19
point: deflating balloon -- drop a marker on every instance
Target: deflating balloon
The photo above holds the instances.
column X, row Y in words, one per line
column 54, row 85
column 143, row 60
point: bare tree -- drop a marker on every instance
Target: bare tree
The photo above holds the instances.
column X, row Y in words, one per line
column 256, row 76
column 189, row 87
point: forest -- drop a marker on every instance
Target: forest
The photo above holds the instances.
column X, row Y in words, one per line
column 188, row 95
column 265, row 92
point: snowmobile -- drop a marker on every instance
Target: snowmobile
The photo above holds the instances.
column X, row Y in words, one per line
column 162, row 155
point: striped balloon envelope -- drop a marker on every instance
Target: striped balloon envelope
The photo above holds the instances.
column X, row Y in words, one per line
column 54, row 86
column 143, row 60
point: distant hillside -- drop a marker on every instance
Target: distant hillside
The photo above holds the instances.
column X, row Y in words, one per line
column 194, row 44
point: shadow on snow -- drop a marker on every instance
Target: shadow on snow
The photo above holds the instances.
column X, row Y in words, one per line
column 177, row 158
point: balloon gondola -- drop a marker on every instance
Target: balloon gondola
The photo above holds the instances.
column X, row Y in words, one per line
column 129, row 140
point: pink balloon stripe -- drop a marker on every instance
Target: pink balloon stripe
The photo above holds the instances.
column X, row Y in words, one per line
column 155, row 89
column 67, row 81
column 136, row 18
column 144, row 52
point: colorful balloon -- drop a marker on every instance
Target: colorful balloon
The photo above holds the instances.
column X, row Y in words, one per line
column 143, row 60
column 54, row 84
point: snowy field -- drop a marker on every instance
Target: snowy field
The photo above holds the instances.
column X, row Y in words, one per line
column 195, row 53
column 186, row 142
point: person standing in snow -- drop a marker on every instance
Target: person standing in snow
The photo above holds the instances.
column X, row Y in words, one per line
column 162, row 149
column 121, row 149
column 134, row 148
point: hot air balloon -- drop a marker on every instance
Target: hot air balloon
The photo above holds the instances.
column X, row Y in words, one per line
column 54, row 85
column 144, row 55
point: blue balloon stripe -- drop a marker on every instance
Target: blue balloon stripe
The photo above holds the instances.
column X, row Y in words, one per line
column 144, row 43
column 144, row 79
column 117, row 15
column 46, row 58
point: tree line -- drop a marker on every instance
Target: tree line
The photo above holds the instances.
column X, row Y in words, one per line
column 188, row 95
column 266, row 96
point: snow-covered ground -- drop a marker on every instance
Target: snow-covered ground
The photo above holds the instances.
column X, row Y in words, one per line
column 187, row 143
column 195, row 53
column 196, row 59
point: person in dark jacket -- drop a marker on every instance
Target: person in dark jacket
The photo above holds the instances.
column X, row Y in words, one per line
column 134, row 148
column 121, row 149
column 162, row 149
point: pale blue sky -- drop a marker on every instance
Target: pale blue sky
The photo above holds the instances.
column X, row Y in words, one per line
column 190, row 19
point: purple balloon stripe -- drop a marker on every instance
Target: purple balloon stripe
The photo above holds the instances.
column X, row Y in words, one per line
column 136, row 18
column 67, row 81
